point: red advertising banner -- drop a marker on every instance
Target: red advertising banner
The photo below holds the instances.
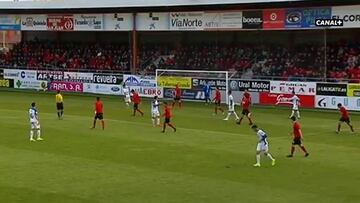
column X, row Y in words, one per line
column 273, row 18
column 60, row 23
column 67, row 86
column 267, row 98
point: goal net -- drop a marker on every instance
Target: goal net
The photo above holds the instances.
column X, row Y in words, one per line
column 192, row 82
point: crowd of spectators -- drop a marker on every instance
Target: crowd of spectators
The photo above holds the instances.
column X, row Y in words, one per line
column 68, row 56
column 277, row 61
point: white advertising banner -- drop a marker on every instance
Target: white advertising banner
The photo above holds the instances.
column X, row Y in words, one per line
column 29, row 84
column 350, row 15
column 29, row 75
column 90, row 22
column 78, row 77
column 148, row 91
column 287, row 87
column 33, row 22
column 330, row 102
column 223, row 20
column 135, row 80
column 118, row 21
column 102, row 89
column 152, row 21
column 187, row 21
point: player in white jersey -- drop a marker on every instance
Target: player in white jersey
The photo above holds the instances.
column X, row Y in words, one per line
column 34, row 122
column 155, row 112
column 262, row 146
column 126, row 91
column 231, row 107
column 295, row 100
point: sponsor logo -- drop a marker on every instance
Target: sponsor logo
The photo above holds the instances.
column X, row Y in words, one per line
column 293, row 17
column 252, row 19
column 329, row 22
column 106, row 79
column 6, row 83
column 89, row 20
column 115, row 89
column 322, row 102
column 132, row 80
column 348, row 18
column 31, row 22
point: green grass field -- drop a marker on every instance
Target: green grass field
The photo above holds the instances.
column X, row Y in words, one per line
column 207, row 160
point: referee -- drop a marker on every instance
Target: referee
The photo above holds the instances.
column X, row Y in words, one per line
column 59, row 105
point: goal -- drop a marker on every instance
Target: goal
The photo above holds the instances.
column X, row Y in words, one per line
column 192, row 82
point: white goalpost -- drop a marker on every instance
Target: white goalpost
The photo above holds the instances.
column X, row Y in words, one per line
column 169, row 78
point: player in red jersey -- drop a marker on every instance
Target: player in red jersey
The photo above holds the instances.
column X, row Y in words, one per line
column 99, row 113
column 167, row 114
column 136, row 101
column 247, row 95
column 344, row 118
column 245, row 103
column 217, row 100
column 177, row 98
column 298, row 136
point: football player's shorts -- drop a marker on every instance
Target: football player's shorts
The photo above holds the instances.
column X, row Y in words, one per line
column 35, row 125
column 262, row 146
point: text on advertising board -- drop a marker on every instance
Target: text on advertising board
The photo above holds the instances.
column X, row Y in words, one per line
column 330, row 102
column 67, row 86
column 171, row 82
column 107, row 79
column 250, row 85
column 7, row 83
column 287, row 87
column 332, row 89
column 353, row 90
column 60, row 23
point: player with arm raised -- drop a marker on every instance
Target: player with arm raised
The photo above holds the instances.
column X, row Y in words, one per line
column 34, row 122
column 262, row 146
column 344, row 118
column 295, row 100
column 155, row 112
column 231, row 110
column 217, row 100
column 298, row 137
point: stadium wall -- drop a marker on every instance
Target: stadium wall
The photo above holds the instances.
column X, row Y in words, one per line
column 312, row 94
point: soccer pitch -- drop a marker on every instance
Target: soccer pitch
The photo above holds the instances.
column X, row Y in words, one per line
column 206, row 160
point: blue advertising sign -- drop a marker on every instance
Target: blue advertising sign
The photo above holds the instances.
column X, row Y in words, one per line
column 305, row 17
column 9, row 22
column 293, row 18
column 311, row 14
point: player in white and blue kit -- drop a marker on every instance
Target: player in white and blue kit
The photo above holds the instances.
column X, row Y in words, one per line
column 155, row 111
column 34, row 122
column 295, row 100
column 231, row 109
column 262, row 146
column 126, row 92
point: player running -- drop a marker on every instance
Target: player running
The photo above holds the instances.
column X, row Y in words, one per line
column 136, row 100
column 177, row 98
column 99, row 113
column 155, row 112
column 295, row 100
column 207, row 92
column 262, row 146
column 217, row 100
column 245, row 103
column 231, row 110
column 298, row 136
column 127, row 98
column 34, row 122
column 59, row 105
column 167, row 116
column 344, row 118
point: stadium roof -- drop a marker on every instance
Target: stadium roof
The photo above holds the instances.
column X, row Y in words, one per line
column 63, row 6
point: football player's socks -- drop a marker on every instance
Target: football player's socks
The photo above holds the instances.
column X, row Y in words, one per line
column 292, row 150
column 31, row 134
column 258, row 158
column 157, row 121
column 38, row 133
column 303, row 148
column 339, row 126
column 153, row 122
column 270, row 157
